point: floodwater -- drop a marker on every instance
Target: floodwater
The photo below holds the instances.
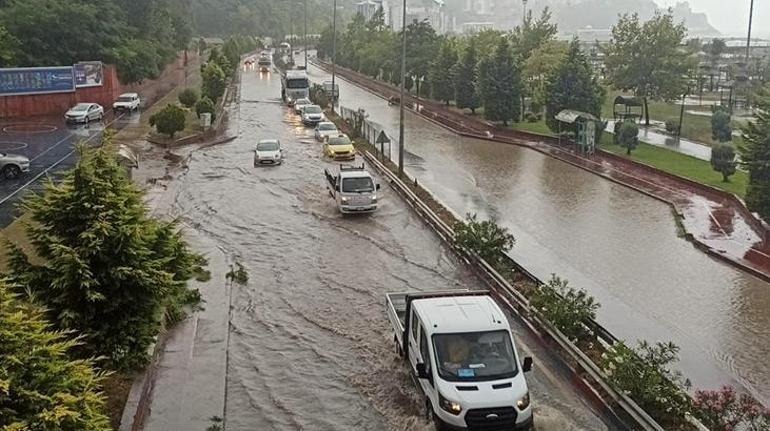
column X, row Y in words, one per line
column 310, row 346
column 623, row 247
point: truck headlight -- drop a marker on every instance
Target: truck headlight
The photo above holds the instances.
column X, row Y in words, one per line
column 449, row 406
column 344, row 200
column 523, row 403
column 374, row 199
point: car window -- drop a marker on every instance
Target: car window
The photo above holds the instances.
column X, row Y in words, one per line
column 424, row 350
column 415, row 325
column 80, row 108
column 327, row 127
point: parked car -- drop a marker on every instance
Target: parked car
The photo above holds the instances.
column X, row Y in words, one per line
column 312, row 115
column 84, row 113
column 127, row 102
column 268, row 152
column 301, row 103
column 340, row 147
column 12, row 165
column 325, row 130
column 460, row 348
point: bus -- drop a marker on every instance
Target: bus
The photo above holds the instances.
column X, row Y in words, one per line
column 295, row 85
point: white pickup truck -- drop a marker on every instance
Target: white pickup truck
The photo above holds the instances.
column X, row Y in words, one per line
column 460, row 348
column 353, row 189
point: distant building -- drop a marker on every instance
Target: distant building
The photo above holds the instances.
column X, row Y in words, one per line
column 368, row 8
column 476, row 27
column 434, row 14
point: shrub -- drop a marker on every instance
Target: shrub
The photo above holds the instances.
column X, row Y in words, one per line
column 721, row 130
column 723, row 410
column 41, row 388
column 319, row 97
column 565, row 307
column 644, row 374
column 628, row 136
column 214, row 82
column 104, row 268
column 169, row 120
column 672, row 127
column 531, row 117
column 723, row 160
column 487, row 239
column 205, row 105
column 188, row 97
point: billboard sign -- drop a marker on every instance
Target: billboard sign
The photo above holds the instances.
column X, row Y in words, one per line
column 88, row 74
column 37, row 80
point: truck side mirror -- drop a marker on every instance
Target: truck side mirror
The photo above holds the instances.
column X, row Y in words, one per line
column 337, row 188
column 421, row 371
column 527, row 365
column 378, row 186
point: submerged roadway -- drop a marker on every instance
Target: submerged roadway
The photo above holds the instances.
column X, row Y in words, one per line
column 310, row 346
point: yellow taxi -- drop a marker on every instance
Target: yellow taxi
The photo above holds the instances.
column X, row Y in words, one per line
column 339, row 148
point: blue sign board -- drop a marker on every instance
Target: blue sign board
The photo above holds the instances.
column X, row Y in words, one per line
column 36, row 80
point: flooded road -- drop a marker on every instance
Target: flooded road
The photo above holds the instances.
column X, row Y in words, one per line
column 310, row 346
column 621, row 246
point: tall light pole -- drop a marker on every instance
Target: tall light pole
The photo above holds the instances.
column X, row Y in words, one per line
column 748, row 40
column 305, row 34
column 403, row 86
column 524, row 15
column 334, row 50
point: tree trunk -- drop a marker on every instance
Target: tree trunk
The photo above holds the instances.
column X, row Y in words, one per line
column 646, row 112
column 473, row 111
column 628, row 151
column 725, row 178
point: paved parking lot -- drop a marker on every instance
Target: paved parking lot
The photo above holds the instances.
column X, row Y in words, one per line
column 50, row 145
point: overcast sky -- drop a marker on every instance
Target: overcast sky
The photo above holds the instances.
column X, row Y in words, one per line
column 731, row 17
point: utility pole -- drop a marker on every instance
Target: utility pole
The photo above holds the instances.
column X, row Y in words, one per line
column 403, row 86
column 305, row 34
column 748, row 40
column 524, row 15
column 334, row 50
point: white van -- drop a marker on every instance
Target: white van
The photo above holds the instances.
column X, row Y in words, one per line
column 460, row 347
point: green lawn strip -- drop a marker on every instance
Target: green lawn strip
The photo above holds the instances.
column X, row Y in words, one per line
column 682, row 165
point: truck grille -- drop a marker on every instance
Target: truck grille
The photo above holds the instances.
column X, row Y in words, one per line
column 491, row 419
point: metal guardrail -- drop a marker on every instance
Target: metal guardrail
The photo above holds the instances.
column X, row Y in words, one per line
column 641, row 419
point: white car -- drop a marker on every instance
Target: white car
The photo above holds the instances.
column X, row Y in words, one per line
column 268, row 152
column 301, row 103
column 325, row 130
column 12, row 165
column 127, row 102
column 84, row 113
column 312, row 115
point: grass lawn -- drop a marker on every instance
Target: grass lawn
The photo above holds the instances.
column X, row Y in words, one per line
column 680, row 164
column 538, row 127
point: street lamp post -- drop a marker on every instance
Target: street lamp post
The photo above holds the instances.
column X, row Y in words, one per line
column 748, row 40
column 334, row 50
column 403, row 85
column 305, row 34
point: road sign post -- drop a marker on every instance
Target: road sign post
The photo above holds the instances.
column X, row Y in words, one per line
column 382, row 139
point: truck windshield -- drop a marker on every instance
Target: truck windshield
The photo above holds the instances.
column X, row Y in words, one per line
column 297, row 83
column 474, row 356
column 357, row 185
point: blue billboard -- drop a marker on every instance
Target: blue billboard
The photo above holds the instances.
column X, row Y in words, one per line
column 36, row 80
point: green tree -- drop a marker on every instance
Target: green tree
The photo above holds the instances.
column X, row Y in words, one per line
column 543, row 64
column 465, row 79
column 723, row 160
column 715, row 49
column 205, row 105
column 573, row 86
column 565, row 307
column 721, row 130
column 628, row 136
column 755, row 157
column 169, row 120
column 136, row 59
column 188, row 97
column 420, row 49
column 486, row 238
column 103, row 268
column 214, row 82
column 649, row 58
column 533, row 34
column 41, row 388
column 8, row 47
column 441, row 72
column 500, row 85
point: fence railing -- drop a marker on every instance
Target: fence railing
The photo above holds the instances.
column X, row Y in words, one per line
column 370, row 130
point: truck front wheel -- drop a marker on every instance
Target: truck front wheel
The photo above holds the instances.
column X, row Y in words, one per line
column 432, row 418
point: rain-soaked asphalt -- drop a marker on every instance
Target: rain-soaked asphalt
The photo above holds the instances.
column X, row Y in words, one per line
column 310, row 346
column 620, row 245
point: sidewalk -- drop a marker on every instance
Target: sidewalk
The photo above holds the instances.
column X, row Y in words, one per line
column 715, row 221
column 648, row 135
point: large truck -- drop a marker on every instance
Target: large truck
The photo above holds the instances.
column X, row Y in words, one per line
column 460, row 349
column 295, row 85
column 353, row 189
